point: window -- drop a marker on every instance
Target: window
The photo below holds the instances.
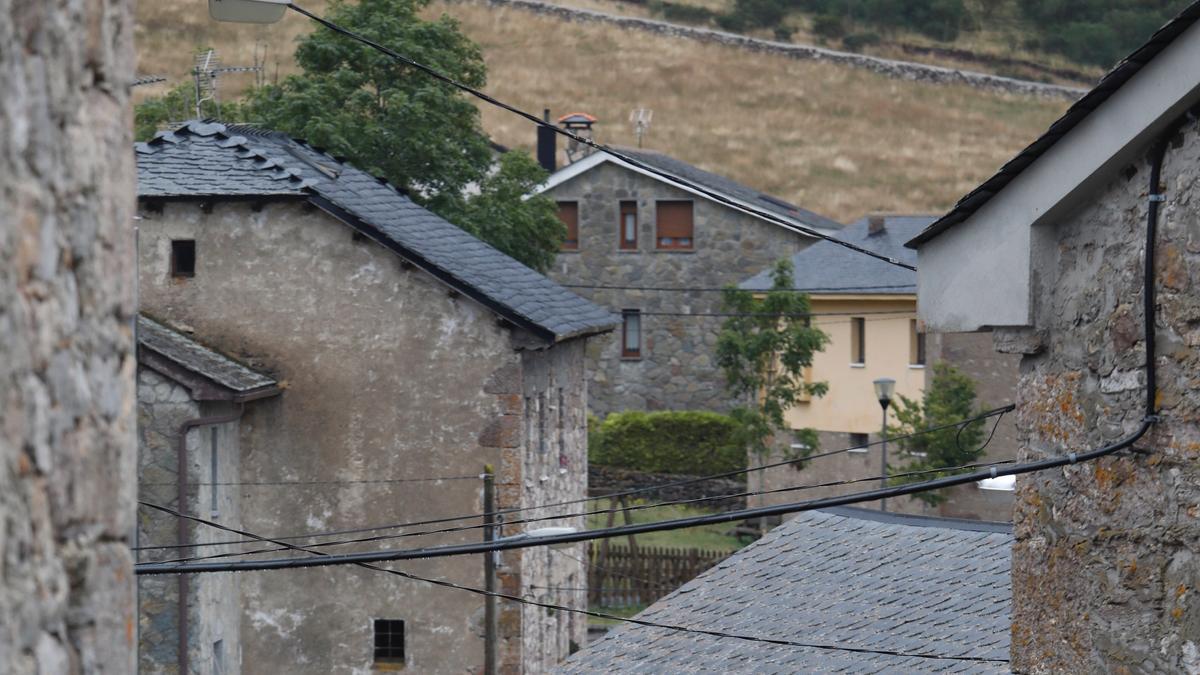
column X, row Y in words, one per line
column 568, row 212
column 183, row 258
column 631, row 334
column 916, row 352
column 673, row 221
column 629, row 226
column 858, row 341
column 389, row 641
column 858, row 443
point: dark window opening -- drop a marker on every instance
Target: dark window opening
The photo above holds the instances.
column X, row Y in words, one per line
column 858, row 340
column 917, row 353
column 858, row 442
column 389, row 641
column 568, row 213
column 631, row 334
column 183, row 258
column 673, row 225
column 629, row 226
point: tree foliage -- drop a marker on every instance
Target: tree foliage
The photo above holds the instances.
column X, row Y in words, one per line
column 688, row 442
column 949, row 398
column 763, row 351
column 177, row 105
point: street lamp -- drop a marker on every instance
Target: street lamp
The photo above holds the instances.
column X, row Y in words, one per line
column 247, row 11
column 885, row 387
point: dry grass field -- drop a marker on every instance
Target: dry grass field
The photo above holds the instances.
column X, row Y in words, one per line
column 833, row 139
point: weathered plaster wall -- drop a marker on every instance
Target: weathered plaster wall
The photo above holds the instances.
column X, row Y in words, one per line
column 1106, row 563
column 66, row 366
column 677, row 370
column 215, row 613
column 387, row 377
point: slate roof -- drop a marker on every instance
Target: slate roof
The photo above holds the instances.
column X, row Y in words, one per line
column 210, row 160
column 730, row 188
column 1079, row 111
column 827, row 268
column 191, row 355
column 843, row 577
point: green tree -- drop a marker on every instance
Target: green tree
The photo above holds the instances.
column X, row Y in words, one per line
column 420, row 134
column 949, row 398
column 763, row 351
column 176, row 105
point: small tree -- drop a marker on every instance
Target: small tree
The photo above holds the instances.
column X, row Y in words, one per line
column 949, row 398
column 763, row 350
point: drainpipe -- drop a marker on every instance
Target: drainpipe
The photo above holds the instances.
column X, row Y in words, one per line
column 181, row 488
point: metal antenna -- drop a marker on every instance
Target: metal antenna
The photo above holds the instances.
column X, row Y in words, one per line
column 640, row 119
column 208, row 67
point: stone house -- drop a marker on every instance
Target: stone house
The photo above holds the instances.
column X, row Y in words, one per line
column 868, row 309
column 852, row 586
column 1082, row 255
column 410, row 356
column 635, row 242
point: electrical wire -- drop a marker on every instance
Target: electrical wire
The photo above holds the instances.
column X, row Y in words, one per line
column 626, row 509
column 612, row 495
column 435, row 479
column 668, row 177
column 774, row 315
column 603, row 615
column 714, row 289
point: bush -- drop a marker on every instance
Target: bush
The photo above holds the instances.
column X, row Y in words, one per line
column 688, row 442
column 829, row 27
column 855, row 43
column 682, row 13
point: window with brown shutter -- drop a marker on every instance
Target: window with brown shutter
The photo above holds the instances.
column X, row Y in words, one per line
column 673, row 222
column 628, row 226
column 568, row 212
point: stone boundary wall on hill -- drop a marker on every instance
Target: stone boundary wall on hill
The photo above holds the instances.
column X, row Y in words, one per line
column 604, row 480
column 901, row 70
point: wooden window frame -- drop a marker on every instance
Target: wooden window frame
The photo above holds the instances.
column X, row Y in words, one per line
column 183, row 249
column 858, row 341
column 625, row 209
column 570, row 244
column 388, row 656
column 626, row 352
column 658, row 225
column 917, row 354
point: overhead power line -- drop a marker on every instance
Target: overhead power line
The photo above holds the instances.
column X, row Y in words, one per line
column 282, row 483
column 597, row 512
column 717, row 289
column 657, row 526
column 666, row 176
column 624, row 493
column 603, row 615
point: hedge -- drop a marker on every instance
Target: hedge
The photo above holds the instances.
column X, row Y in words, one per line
column 686, row 442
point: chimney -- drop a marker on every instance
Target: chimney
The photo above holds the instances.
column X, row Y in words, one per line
column 547, row 145
column 579, row 124
column 875, row 224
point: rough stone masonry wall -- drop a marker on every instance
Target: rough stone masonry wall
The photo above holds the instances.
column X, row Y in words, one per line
column 677, row 369
column 1106, row 564
column 66, row 366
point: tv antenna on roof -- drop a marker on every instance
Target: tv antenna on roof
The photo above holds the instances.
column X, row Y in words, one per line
column 208, row 68
column 640, row 119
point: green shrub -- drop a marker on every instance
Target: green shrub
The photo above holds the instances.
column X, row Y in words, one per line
column 682, row 13
column 856, row 42
column 829, row 27
column 687, row 442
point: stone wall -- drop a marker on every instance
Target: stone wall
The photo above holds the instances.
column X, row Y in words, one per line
column 1107, row 556
column 66, row 311
column 677, row 368
column 212, row 599
column 901, row 70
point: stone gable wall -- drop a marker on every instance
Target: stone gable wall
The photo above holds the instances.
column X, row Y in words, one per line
column 1106, row 565
column 677, row 370
column 66, row 361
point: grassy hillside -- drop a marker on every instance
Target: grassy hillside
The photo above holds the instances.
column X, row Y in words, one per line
column 836, row 140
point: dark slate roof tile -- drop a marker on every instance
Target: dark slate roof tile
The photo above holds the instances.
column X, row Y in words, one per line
column 839, row 577
column 209, row 159
column 828, row 268
column 187, row 353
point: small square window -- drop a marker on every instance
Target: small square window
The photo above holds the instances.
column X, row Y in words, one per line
column 389, row 641
column 183, row 258
column 859, row 443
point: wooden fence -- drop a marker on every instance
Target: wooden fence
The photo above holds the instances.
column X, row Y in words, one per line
column 621, row 576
